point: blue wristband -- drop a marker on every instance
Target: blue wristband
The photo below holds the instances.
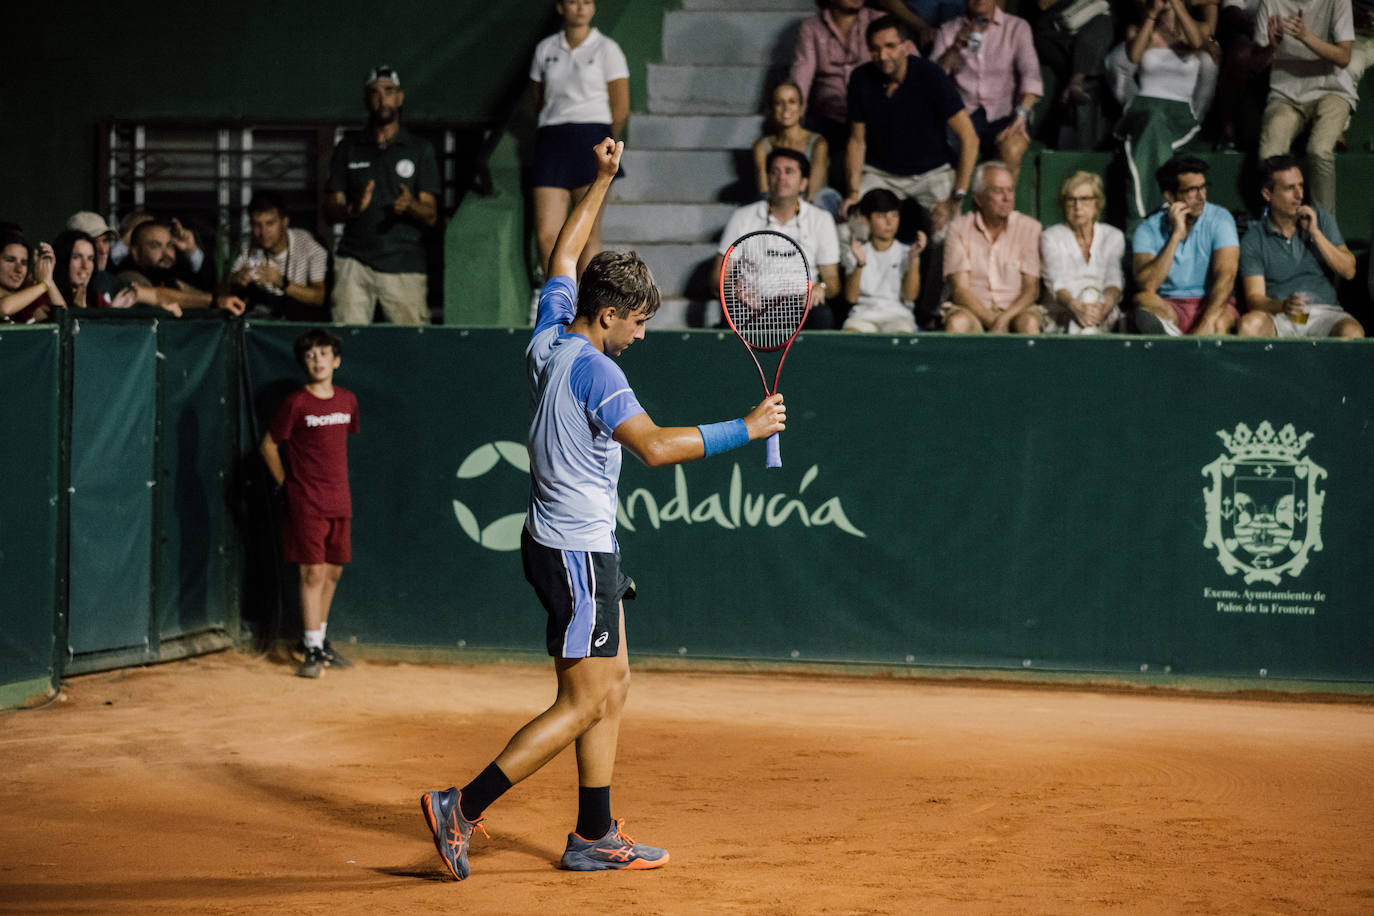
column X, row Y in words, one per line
column 721, row 437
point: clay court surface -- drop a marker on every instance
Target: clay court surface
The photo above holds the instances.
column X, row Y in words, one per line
column 225, row 784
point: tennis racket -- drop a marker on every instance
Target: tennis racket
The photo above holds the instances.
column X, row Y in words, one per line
column 765, row 289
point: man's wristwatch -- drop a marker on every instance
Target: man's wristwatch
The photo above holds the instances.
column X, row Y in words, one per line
column 1025, row 113
column 958, row 195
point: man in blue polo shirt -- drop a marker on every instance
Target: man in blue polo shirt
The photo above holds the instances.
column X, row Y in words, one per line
column 1185, row 257
column 583, row 410
column 1289, row 261
column 900, row 108
column 382, row 186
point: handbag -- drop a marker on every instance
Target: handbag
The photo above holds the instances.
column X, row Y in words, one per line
column 1074, row 14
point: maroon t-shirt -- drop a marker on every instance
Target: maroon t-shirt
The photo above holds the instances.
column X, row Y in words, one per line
column 315, row 431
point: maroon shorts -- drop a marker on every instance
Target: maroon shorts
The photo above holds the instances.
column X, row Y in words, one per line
column 1188, row 311
column 311, row 540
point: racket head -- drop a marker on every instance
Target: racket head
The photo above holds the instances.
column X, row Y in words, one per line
column 765, row 289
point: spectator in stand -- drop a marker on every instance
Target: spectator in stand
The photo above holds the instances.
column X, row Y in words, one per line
column 382, row 186
column 119, row 250
column 1185, row 258
column 898, row 102
column 282, row 272
column 581, row 87
column 786, row 211
column 785, row 131
column 1242, row 85
column 1166, row 49
column 882, row 277
column 152, row 265
column 1291, row 260
column 1308, row 43
column 992, row 261
column 829, row 46
column 1081, row 262
column 923, row 18
column 25, row 301
column 104, row 237
column 991, row 56
column 1072, row 38
column 76, row 255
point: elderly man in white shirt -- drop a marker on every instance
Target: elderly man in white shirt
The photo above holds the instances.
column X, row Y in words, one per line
column 785, row 210
column 1310, row 43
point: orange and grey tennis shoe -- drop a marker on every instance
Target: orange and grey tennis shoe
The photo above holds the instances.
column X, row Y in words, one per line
column 451, row 830
column 614, row 850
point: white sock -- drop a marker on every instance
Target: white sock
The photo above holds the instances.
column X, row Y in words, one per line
column 324, row 628
column 314, row 639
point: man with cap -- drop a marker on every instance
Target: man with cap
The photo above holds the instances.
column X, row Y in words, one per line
column 382, row 186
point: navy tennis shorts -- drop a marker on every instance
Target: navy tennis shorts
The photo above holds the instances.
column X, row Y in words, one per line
column 581, row 591
column 563, row 155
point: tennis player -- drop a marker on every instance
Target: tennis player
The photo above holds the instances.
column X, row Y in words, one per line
column 583, row 412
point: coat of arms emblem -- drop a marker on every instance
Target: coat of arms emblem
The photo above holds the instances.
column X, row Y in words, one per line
column 1264, row 510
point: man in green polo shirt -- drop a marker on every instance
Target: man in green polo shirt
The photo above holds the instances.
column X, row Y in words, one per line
column 1290, row 260
column 382, row 186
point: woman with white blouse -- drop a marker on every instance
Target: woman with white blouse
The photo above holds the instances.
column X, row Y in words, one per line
column 1080, row 262
column 581, row 87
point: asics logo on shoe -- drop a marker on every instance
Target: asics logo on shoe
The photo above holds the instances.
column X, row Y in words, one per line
column 619, row 854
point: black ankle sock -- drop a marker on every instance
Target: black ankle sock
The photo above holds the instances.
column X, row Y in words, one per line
column 593, row 812
column 489, row 785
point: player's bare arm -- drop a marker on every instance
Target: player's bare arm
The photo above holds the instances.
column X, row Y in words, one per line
column 657, row 445
column 572, row 238
column 271, row 456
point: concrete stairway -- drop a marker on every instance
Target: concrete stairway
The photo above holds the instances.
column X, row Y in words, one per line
column 687, row 164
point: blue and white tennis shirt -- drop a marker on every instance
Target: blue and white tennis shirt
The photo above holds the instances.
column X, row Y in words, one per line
column 578, row 396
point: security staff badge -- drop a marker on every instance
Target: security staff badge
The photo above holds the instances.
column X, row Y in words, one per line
column 1264, row 510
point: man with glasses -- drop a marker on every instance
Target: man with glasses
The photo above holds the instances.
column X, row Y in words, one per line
column 1186, row 256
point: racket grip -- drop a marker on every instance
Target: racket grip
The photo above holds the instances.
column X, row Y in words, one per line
column 774, row 455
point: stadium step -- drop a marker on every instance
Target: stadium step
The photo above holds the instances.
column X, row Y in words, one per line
column 730, row 37
column 695, row 89
column 683, row 176
column 681, row 269
column 629, row 224
column 658, row 131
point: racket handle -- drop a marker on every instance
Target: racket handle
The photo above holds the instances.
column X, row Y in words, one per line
column 774, row 456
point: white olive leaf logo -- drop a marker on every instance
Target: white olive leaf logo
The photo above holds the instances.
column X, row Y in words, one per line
column 504, row 533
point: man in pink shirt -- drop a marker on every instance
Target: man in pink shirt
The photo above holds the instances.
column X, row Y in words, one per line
column 992, row 261
column 830, row 45
column 991, row 56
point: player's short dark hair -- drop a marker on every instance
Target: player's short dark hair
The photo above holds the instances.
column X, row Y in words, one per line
column 1166, row 176
column 619, row 280
column 879, row 200
column 782, row 152
column 267, row 200
column 1275, row 164
column 316, row 337
column 144, row 227
column 882, row 24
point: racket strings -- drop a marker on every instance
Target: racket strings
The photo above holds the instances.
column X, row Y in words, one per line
column 766, row 289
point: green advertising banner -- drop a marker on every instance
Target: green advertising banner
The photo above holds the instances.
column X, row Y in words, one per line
column 30, row 368
column 1111, row 504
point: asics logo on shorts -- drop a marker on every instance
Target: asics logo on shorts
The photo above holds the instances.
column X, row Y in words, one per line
column 601, row 640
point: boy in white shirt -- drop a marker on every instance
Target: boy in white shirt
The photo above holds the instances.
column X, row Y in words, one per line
column 882, row 276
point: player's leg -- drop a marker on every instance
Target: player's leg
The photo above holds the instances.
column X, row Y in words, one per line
column 314, row 577
column 550, row 211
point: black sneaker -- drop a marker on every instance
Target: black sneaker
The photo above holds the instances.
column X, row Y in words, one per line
column 333, row 659
column 314, row 663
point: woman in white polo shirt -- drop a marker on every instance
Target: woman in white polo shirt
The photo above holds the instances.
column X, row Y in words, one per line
column 581, row 87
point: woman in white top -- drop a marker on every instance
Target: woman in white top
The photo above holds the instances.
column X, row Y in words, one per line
column 581, row 87
column 1166, row 48
column 1080, row 262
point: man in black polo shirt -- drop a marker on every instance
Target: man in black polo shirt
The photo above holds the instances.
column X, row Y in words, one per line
column 899, row 108
column 382, row 187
